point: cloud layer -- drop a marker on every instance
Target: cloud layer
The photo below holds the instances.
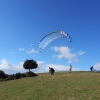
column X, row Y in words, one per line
column 65, row 52
column 10, row 68
column 42, row 67
column 32, row 51
column 21, row 49
column 97, row 66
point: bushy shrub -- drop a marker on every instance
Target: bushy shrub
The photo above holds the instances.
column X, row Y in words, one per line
column 18, row 75
column 2, row 74
column 10, row 77
column 30, row 74
column 6, row 77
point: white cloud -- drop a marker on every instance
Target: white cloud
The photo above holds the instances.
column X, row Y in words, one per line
column 80, row 53
column 32, row 51
column 40, row 63
column 4, row 65
column 65, row 52
column 21, row 49
column 42, row 67
column 10, row 68
column 58, row 67
column 97, row 66
column 11, row 52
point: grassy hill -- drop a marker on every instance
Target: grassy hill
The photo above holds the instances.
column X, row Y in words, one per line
column 61, row 86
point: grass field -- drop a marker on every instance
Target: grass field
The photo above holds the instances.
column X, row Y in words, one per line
column 61, row 86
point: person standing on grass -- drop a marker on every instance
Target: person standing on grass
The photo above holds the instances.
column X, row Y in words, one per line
column 51, row 70
column 91, row 68
column 70, row 69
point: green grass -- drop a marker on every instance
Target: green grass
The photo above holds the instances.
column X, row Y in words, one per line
column 61, row 86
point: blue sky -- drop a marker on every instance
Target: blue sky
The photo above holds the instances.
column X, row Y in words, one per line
column 24, row 22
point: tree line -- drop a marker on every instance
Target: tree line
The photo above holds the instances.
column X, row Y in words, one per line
column 28, row 64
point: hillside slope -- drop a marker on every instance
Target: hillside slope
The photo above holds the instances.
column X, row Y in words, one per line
column 61, row 86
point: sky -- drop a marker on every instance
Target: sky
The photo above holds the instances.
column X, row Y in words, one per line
column 23, row 23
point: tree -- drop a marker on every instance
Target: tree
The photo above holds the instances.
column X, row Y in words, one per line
column 30, row 64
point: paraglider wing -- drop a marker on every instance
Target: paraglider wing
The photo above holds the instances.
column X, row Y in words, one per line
column 51, row 37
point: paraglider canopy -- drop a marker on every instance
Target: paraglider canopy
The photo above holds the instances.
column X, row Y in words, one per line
column 51, row 37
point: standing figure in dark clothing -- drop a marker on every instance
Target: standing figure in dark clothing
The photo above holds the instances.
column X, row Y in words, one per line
column 51, row 70
column 91, row 68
